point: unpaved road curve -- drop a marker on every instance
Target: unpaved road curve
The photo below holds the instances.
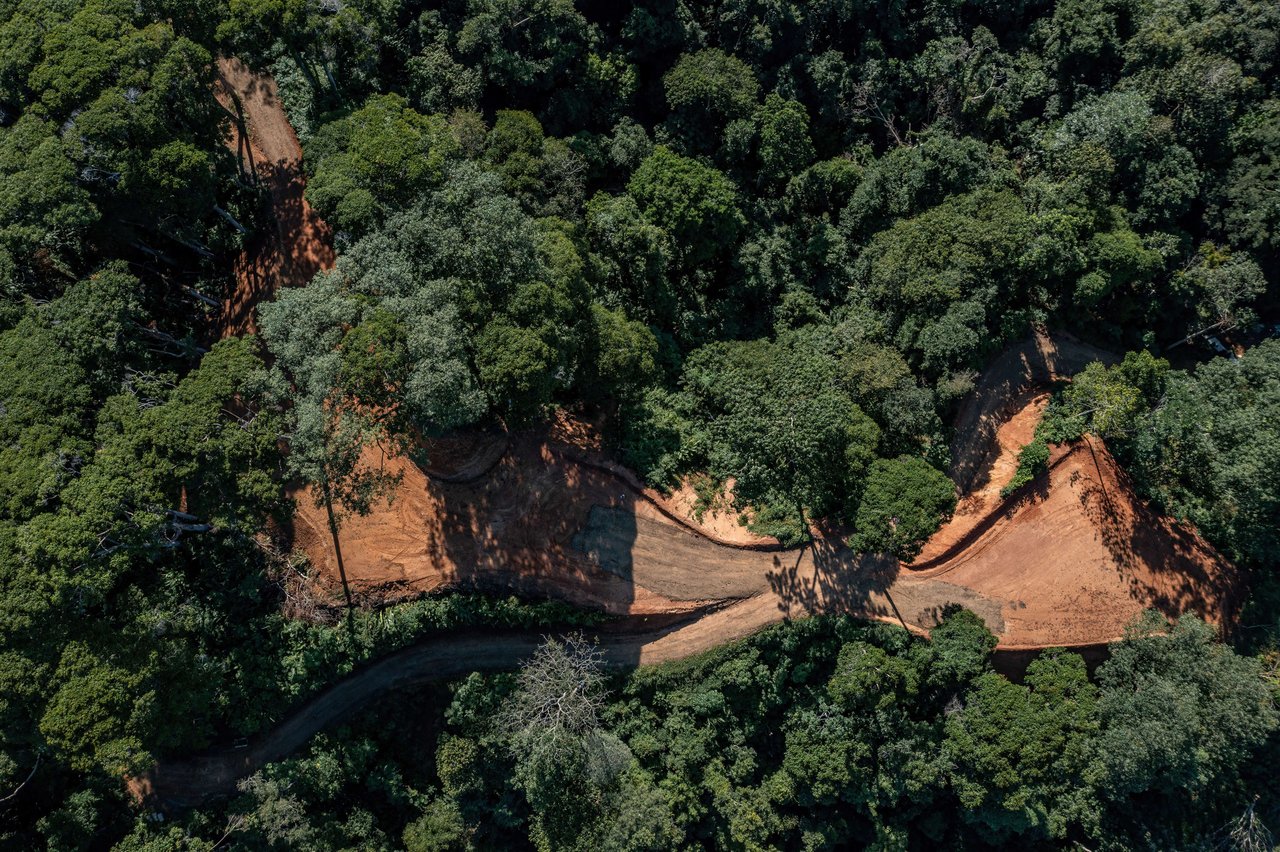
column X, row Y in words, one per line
column 187, row 783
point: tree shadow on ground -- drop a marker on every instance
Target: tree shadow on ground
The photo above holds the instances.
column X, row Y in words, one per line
column 825, row 575
column 1165, row 563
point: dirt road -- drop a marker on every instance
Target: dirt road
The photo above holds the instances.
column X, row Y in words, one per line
column 187, row 783
column 1070, row 560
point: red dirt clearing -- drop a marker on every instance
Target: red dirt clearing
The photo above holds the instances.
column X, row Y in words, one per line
column 1076, row 555
column 300, row 245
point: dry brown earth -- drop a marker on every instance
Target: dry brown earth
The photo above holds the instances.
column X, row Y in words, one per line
column 300, row 244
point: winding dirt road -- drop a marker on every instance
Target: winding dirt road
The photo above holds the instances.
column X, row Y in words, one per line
column 1069, row 560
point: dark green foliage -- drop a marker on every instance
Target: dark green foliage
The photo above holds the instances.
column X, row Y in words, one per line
column 694, row 204
column 823, row 731
column 1210, row 450
column 904, row 502
column 706, row 90
column 1019, row 752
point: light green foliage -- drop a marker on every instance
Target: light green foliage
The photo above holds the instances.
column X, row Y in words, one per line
column 975, row 85
column 1111, row 400
column 89, row 717
column 439, row 828
column 904, row 502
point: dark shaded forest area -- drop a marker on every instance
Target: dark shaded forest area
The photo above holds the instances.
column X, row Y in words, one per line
column 760, row 240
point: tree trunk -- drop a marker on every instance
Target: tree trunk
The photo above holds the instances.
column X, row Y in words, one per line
column 305, row 68
column 337, row 550
column 231, row 220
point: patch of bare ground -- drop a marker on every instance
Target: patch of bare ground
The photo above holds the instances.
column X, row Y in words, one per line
column 718, row 517
column 996, row 471
column 1076, row 555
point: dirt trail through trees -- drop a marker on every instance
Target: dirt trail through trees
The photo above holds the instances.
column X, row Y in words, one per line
column 300, row 244
column 1068, row 561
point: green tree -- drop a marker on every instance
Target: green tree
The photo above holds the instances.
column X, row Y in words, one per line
column 1112, row 400
column 376, row 159
column 961, row 647
column 904, row 502
column 1179, row 711
column 1249, row 199
column 785, row 147
column 530, row 45
column 775, row 421
column 708, row 89
column 694, row 204
column 1017, row 752
column 1208, row 451
column 566, row 765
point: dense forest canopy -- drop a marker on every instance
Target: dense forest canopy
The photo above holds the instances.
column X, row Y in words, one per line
column 763, row 241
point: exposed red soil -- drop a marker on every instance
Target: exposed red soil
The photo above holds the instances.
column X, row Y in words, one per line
column 1000, row 393
column 721, row 519
column 1076, row 555
column 996, row 471
column 1068, row 561
column 301, row 243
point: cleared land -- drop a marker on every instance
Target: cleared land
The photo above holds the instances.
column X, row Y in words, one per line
column 1069, row 560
